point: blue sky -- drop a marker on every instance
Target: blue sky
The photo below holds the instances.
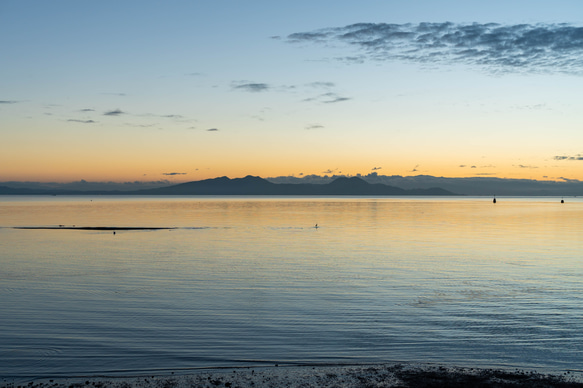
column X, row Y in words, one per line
column 187, row 90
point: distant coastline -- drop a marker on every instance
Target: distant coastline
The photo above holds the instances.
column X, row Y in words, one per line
column 249, row 185
column 312, row 185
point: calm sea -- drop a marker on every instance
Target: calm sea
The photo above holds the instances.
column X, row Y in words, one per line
column 250, row 281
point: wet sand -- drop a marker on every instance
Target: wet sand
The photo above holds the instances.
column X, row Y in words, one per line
column 385, row 375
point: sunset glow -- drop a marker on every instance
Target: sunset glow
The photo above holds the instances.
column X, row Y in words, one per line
column 185, row 91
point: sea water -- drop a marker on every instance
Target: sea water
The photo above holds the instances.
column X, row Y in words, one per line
column 249, row 281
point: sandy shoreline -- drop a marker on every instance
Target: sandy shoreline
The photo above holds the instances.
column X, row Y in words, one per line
column 377, row 375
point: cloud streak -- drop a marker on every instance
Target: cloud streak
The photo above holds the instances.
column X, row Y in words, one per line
column 531, row 48
column 82, row 121
column 252, row 87
column 322, row 84
column 564, row 157
column 115, row 112
column 525, row 166
column 328, row 98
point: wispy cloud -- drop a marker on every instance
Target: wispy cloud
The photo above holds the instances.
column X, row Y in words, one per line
column 331, row 98
column 328, row 98
column 212, row 130
column 549, row 48
column 532, row 107
column 115, row 112
column 8, row 102
column 174, row 173
column 82, row 121
column 376, row 168
column 326, row 88
column 322, row 84
column 332, row 171
column 133, row 125
column 314, row 126
column 87, row 110
column 564, row 157
column 164, row 116
column 525, row 166
column 252, row 87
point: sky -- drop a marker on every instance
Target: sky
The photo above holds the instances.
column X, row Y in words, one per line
column 188, row 90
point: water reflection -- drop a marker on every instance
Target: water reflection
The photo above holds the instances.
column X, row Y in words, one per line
column 446, row 280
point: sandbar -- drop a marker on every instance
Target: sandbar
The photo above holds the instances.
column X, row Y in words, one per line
column 93, row 228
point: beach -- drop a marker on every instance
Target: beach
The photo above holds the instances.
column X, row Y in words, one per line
column 341, row 376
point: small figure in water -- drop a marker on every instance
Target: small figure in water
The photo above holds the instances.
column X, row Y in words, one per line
column 114, row 232
column 316, row 226
column 562, row 200
column 494, row 201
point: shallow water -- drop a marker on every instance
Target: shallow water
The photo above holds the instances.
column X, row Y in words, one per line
column 250, row 281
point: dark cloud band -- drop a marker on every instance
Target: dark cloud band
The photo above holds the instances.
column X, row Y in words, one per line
column 252, row 87
column 82, row 121
column 545, row 48
column 115, row 112
column 564, row 157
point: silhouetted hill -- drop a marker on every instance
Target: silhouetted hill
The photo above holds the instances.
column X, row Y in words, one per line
column 358, row 186
column 10, row 191
column 314, row 184
column 251, row 185
column 4, row 190
column 482, row 186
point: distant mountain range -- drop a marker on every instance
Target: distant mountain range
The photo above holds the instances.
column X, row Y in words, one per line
column 312, row 184
column 250, row 185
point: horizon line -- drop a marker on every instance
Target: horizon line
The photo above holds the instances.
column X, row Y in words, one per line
column 323, row 176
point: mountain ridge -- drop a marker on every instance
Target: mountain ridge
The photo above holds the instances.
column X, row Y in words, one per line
column 250, row 185
column 253, row 185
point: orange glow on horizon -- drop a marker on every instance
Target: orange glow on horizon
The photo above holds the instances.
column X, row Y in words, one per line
column 112, row 172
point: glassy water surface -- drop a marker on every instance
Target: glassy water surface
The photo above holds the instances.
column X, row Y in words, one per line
column 251, row 281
